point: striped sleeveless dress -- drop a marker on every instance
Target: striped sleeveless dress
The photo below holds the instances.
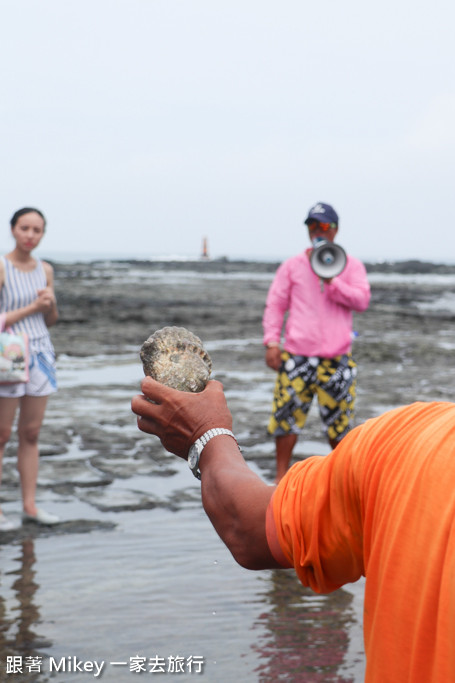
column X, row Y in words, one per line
column 19, row 289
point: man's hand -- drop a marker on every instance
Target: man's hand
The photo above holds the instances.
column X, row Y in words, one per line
column 273, row 357
column 178, row 418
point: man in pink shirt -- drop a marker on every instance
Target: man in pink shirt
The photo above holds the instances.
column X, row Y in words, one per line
column 316, row 355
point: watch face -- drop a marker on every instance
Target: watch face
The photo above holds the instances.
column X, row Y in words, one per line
column 193, row 457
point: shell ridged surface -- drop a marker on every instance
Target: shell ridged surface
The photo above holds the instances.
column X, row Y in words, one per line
column 176, row 357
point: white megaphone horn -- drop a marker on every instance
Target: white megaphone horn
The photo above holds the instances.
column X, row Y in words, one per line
column 327, row 258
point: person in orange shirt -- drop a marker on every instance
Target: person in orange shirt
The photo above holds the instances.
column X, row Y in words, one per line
column 381, row 505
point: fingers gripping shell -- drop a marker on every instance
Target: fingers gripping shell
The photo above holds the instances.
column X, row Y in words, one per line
column 176, row 357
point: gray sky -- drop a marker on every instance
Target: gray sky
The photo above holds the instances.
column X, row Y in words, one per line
column 141, row 126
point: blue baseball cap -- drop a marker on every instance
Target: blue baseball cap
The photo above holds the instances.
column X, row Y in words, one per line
column 324, row 213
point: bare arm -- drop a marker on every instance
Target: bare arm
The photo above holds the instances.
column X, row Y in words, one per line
column 48, row 297
column 234, row 498
column 273, row 357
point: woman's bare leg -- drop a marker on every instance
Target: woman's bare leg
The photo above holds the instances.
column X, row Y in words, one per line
column 8, row 407
column 32, row 409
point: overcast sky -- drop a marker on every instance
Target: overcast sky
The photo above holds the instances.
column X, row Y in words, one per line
column 142, row 126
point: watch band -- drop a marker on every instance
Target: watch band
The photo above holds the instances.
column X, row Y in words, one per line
column 199, row 445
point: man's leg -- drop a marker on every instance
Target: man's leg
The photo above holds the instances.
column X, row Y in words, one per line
column 291, row 403
column 284, row 447
column 336, row 396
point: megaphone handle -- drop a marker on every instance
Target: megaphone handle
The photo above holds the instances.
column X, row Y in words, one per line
column 322, row 284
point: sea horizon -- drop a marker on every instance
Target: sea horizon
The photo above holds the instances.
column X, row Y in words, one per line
column 66, row 257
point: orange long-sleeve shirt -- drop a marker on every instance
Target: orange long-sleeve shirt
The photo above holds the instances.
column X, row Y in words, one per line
column 382, row 505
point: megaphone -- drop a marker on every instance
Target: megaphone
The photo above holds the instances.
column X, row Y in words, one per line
column 327, row 259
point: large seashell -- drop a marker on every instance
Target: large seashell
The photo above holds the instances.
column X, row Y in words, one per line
column 176, row 357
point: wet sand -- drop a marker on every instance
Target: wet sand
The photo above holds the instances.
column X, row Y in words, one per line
column 135, row 568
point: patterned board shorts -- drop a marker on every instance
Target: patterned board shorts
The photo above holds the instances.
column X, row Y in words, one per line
column 42, row 379
column 299, row 378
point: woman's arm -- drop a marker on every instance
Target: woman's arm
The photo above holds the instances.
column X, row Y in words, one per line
column 234, row 498
column 48, row 295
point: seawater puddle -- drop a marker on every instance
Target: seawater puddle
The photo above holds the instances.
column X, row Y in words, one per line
column 119, row 369
column 162, row 584
column 151, row 587
column 259, row 392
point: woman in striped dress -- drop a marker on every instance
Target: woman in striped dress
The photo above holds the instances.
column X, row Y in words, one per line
column 28, row 304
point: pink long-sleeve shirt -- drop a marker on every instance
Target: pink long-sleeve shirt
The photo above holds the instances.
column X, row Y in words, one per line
column 319, row 323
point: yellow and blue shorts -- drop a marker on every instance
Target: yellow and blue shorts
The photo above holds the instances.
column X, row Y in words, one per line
column 299, row 378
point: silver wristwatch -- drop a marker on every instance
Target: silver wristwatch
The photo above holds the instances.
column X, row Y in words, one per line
column 196, row 449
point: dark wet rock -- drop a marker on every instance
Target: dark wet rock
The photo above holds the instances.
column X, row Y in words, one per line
column 123, row 468
column 67, row 474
